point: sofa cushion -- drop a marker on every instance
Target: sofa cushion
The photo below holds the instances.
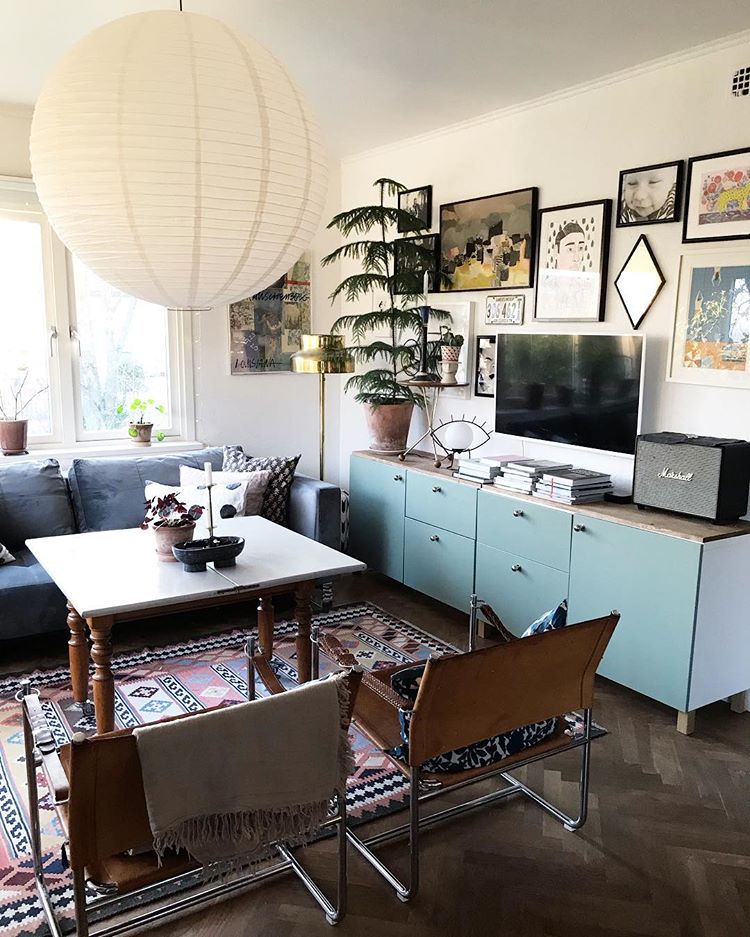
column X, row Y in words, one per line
column 30, row 601
column 33, row 502
column 108, row 494
column 6, row 556
column 276, row 499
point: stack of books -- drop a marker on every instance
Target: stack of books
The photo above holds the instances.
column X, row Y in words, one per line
column 522, row 474
column 482, row 470
column 573, row 486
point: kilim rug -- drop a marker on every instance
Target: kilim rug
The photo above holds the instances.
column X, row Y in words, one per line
column 155, row 683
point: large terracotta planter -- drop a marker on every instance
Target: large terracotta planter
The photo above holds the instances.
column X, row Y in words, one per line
column 388, row 426
column 140, row 433
column 166, row 537
column 13, row 436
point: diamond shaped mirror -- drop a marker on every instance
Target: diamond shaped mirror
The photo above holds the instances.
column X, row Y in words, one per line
column 639, row 281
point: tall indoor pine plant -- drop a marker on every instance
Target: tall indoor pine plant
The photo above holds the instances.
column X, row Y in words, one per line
column 394, row 322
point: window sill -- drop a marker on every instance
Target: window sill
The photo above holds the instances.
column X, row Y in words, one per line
column 102, row 449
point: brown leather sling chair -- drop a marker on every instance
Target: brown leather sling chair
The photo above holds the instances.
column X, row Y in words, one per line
column 468, row 697
column 97, row 788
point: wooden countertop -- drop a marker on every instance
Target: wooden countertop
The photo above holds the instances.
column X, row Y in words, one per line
column 660, row 522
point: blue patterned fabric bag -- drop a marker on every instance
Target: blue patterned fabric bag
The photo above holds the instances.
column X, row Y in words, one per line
column 552, row 620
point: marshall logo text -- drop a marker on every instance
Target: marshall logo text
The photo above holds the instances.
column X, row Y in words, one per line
column 677, row 476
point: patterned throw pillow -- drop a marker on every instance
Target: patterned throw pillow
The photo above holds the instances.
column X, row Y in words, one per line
column 255, row 484
column 276, row 501
column 552, row 620
column 226, row 500
column 5, row 555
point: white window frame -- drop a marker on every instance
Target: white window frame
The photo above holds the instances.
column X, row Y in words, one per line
column 18, row 200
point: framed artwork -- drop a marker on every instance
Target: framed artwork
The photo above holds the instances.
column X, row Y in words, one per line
column 412, row 258
column 417, row 202
column 504, row 310
column 266, row 329
column 711, row 337
column 484, row 369
column 573, row 257
column 462, row 316
column 650, row 194
column 718, row 197
column 488, row 243
column 639, row 281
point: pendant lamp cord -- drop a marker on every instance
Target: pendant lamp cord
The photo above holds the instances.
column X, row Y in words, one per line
column 180, row 6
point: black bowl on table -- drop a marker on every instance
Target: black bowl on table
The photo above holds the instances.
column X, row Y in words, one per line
column 221, row 551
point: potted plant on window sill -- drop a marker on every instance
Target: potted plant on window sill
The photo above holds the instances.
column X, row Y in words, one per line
column 14, row 429
column 172, row 522
column 140, row 429
column 450, row 354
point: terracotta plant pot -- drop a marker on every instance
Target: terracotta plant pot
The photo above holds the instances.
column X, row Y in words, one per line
column 140, row 433
column 13, row 436
column 166, row 537
column 388, row 426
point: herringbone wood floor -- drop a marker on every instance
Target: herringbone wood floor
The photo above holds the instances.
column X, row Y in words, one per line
column 665, row 853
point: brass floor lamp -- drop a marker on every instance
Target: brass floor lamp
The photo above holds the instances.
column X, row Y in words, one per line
column 322, row 355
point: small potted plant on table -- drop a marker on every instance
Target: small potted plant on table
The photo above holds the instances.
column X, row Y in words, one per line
column 140, row 428
column 450, row 353
column 172, row 522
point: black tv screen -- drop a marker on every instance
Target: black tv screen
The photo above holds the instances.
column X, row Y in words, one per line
column 582, row 390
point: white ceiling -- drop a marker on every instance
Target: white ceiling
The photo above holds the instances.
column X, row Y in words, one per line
column 380, row 70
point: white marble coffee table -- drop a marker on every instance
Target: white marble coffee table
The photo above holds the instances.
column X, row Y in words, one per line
column 114, row 575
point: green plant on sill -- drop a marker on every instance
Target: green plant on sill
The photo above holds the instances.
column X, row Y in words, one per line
column 449, row 339
column 139, row 408
column 400, row 292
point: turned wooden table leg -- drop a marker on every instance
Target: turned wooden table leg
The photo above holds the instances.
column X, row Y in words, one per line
column 78, row 654
column 303, row 614
column 104, row 684
column 265, row 626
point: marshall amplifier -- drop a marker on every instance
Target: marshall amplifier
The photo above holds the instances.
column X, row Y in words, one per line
column 698, row 475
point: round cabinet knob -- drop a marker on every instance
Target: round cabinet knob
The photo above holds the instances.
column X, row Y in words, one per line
column 516, row 568
column 518, row 513
column 398, row 478
column 434, row 538
column 579, row 527
column 437, row 488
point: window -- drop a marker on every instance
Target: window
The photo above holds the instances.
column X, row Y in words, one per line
column 72, row 347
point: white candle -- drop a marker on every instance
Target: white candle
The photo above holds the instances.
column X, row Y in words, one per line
column 209, row 472
column 426, row 283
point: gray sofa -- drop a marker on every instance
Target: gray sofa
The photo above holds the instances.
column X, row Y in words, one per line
column 37, row 500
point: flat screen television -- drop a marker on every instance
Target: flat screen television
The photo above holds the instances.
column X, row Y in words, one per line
column 581, row 390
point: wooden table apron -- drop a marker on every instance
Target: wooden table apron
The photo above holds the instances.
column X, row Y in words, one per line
column 101, row 640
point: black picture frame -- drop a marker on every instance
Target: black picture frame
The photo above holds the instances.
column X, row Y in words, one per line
column 693, row 161
column 478, row 391
column 605, row 205
column 530, row 250
column 676, row 214
column 419, row 272
column 425, row 212
column 641, row 239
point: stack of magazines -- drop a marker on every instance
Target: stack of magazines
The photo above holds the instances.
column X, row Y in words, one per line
column 522, row 474
column 482, row 470
column 573, row 486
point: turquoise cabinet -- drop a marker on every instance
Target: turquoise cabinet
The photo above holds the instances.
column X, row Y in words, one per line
column 525, row 528
column 652, row 580
column 376, row 513
column 443, row 503
column 439, row 563
column 517, row 588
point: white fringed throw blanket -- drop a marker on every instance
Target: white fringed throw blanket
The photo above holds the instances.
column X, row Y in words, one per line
column 225, row 784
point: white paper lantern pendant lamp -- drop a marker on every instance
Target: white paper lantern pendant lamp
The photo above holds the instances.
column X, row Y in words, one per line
column 178, row 159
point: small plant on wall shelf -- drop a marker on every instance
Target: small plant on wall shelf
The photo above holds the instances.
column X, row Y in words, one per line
column 394, row 322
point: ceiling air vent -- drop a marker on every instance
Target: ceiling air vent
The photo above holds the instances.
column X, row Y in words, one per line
column 741, row 82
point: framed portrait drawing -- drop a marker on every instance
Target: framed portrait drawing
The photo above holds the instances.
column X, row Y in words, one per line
column 484, row 369
column 488, row 243
column 266, row 329
column 717, row 197
column 417, row 202
column 711, row 337
column 650, row 195
column 412, row 258
column 504, row 310
column 573, row 258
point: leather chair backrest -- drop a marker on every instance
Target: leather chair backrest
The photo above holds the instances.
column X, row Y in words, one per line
column 471, row 697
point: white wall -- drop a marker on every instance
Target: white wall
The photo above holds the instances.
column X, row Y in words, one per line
column 15, row 125
column 573, row 147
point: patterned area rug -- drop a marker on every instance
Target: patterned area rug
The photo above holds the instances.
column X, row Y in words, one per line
column 153, row 684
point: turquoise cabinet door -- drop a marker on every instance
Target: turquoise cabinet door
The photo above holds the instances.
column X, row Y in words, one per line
column 518, row 589
column 528, row 528
column 376, row 515
column 652, row 580
column 439, row 563
column 442, row 503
